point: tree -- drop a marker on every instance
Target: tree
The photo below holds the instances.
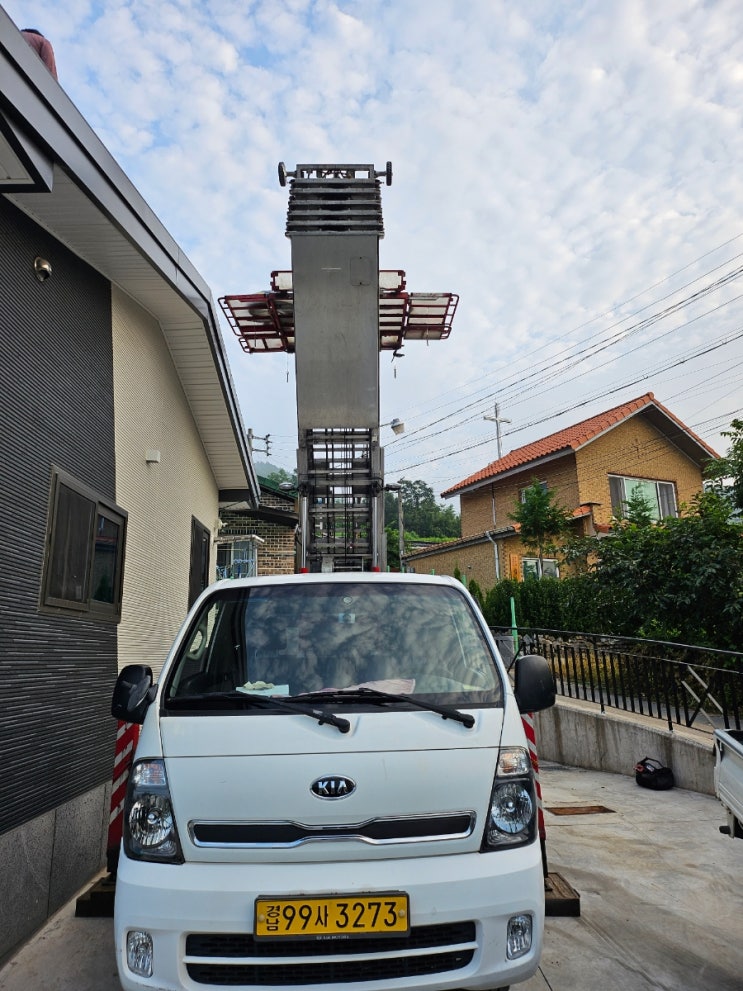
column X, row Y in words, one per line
column 678, row 579
column 281, row 475
column 541, row 520
column 730, row 467
column 422, row 515
column 638, row 509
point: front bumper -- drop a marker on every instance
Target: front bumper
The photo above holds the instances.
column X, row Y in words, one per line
column 200, row 918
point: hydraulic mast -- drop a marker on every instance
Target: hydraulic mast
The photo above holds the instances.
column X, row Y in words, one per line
column 335, row 311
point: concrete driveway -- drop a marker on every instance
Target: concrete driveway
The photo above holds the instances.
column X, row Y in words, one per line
column 661, row 899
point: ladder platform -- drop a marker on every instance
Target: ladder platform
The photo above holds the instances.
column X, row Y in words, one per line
column 264, row 321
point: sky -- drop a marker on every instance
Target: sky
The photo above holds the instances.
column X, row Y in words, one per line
column 571, row 169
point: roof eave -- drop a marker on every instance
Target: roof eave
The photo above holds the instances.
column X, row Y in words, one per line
column 508, row 473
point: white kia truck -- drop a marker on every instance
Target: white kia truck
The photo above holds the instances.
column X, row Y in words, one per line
column 332, row 789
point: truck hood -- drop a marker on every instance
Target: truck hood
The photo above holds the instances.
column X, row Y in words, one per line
column 242, row 785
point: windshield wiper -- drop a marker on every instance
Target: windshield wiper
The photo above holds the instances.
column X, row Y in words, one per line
column 246, row 699
column 383, row 698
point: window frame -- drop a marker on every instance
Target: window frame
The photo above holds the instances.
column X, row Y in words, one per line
column 534, row 569
column 522, row 492
column 226, row 548
column 668, row 488
column 86, row 605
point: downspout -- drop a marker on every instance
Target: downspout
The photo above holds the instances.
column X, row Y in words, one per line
column 493, row 541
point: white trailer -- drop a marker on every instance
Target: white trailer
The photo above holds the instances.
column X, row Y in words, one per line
column 729, row 778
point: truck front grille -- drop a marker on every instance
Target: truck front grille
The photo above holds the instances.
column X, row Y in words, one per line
column 276, row 835
column 234, row 960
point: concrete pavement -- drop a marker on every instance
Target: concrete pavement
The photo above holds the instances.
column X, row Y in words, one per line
column 661, row 889
column 661, row 899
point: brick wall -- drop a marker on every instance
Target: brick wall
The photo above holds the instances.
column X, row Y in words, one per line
column 475, row 559
column 488, row 508
column 276, row 553
column 635, row 449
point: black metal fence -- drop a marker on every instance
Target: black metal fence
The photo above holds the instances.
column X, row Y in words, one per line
column 681, row 684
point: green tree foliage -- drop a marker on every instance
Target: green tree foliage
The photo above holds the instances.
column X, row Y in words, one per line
column 279, row 475
column 422, row 515
column 679, row 579
column 393, row 547
column 730, row 468
column 476, row 593
column 497, row 609
column 541, row 521
column 473, row 587
column 638, row 509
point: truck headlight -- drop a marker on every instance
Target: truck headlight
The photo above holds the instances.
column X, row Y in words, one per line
column 512, row 816
column 149, row 826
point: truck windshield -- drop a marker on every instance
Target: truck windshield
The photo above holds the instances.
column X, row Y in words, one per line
column 295, row 639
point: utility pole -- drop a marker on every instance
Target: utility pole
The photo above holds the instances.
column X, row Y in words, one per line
column 497, row 419
column 400, row 529
column 266, row 440
column 397, row 488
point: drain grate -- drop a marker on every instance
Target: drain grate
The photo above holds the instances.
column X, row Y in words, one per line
column 578, row 810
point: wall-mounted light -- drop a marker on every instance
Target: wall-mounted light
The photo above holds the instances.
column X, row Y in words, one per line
column 152, row 457
column 42, row 269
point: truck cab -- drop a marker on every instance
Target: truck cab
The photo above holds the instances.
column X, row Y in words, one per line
column 332, row 786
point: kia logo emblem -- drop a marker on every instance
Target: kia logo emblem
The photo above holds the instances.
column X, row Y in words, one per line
column 332, row 786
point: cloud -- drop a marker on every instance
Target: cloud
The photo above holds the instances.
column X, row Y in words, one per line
column 555, row 163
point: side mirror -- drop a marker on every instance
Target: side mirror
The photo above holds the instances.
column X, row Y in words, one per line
column 533, row 683
column 133, row 693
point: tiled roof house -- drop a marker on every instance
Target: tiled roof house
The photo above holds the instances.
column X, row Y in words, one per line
column 593, row 466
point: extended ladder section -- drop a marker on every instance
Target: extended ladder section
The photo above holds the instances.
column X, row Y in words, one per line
column 335, row 311
column 343, row 476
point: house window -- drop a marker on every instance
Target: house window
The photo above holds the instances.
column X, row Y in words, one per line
column 530, row 567
column 522, row 492
column 237, row 559
column 659, row 496
column 84, row 563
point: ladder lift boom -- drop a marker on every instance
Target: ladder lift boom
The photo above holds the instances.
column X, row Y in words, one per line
column 335, row 311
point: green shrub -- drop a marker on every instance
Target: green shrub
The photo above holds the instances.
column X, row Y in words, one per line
column 545, row 603
column 476, row 593
column 497, row 608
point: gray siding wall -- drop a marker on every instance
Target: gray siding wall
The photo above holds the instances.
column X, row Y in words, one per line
column 56, row 672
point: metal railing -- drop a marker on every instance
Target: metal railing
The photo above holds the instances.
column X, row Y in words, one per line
column 681, row 684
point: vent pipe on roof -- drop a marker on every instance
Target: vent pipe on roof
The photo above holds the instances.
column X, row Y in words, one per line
column 43, row 48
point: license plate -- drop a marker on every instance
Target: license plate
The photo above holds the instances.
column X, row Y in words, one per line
column 337, row 916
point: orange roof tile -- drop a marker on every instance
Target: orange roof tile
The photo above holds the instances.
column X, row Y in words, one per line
column 571, row 438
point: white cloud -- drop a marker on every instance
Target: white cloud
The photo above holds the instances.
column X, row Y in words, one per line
column 552, row 160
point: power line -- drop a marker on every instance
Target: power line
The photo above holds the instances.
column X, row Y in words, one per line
column 682, row 360
column 591, row 351
column 516, row 378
